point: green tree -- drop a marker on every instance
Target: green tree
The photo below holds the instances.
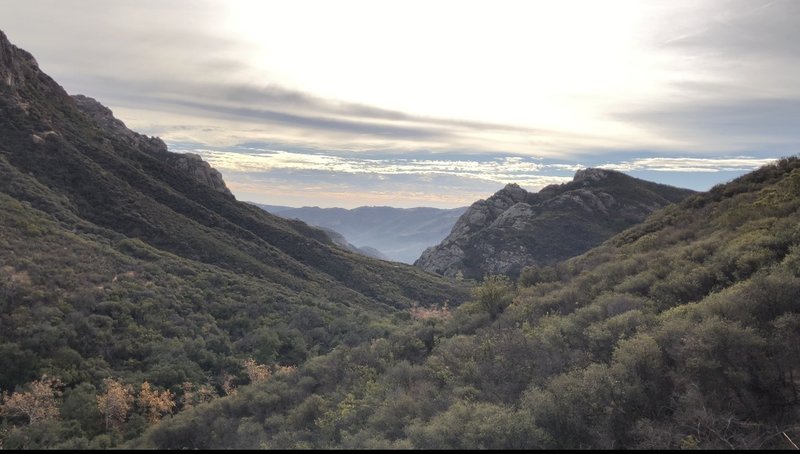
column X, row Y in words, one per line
column 494, row 295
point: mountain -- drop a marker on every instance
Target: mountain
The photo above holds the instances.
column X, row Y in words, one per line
column 400, row 234
column 120, row 260
column 681, row 332
column 515, row 228
column 132, row 288
column 339, row 240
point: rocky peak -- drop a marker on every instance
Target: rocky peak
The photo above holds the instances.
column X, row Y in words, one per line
column 591, row 174
column 484, row 212
column 513, row 192
column 513, row 228
column 505, row 198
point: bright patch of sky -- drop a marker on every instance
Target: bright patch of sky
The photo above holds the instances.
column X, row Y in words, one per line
column 434, row 103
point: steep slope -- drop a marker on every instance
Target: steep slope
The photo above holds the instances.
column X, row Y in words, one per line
column 120, row 259
column 681, row 332
column 401, row 234
column 514, row 228
column 191, row 164
column 130, row 184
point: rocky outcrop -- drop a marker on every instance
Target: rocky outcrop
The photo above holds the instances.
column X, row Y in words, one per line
column 198, row 169
column 484, row 212
column 16, row 65
column 514, row 228
column 192, row 164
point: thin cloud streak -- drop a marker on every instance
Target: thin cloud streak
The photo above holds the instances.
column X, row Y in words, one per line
column 736, row 164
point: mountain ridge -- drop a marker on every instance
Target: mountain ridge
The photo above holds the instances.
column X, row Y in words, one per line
column 515, row 228
column 69, row 147
column 104, row 227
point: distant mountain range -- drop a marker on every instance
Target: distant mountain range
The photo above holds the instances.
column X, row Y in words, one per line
column 339, row 240
column 399, row 234
column 515, row 228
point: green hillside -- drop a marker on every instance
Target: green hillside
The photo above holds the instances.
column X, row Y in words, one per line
column 142, row 306
column 118, row 262
column 681, row 332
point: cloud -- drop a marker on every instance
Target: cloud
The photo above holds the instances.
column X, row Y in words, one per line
column 529, row 172
column 733, row 124
column 733, row 85
column 733, row 164
column 456, row 177
column 707, row 88
column 348, row 179
column 227, row 114
column 178, row 72
column 761, row 30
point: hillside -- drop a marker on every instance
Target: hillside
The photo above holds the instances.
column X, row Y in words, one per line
column 401, row 234
column 681, row 332
column 515, row 228
column 121, row 260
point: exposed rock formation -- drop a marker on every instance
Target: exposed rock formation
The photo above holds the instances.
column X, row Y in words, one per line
column 514, row 228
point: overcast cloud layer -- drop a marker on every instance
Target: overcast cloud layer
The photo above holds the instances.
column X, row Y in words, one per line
column 434, row 103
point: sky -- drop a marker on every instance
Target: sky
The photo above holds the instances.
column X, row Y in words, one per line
column 433, row 103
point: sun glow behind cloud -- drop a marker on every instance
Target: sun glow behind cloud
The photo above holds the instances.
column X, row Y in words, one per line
column 669, row 91
column 519, row 62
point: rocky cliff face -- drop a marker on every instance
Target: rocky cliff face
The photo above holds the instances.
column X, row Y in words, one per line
column 192, row 164
column 15, row 64
column 198, row 169
column 514, row 228
column 26, row 88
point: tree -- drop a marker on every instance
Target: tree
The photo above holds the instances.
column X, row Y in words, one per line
column 115, row 403
column 257, row 372
column 533, row 274
column 154, row 403
column 228, row 387
column 38, row 404
column 494, row 295
column 195, row 395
